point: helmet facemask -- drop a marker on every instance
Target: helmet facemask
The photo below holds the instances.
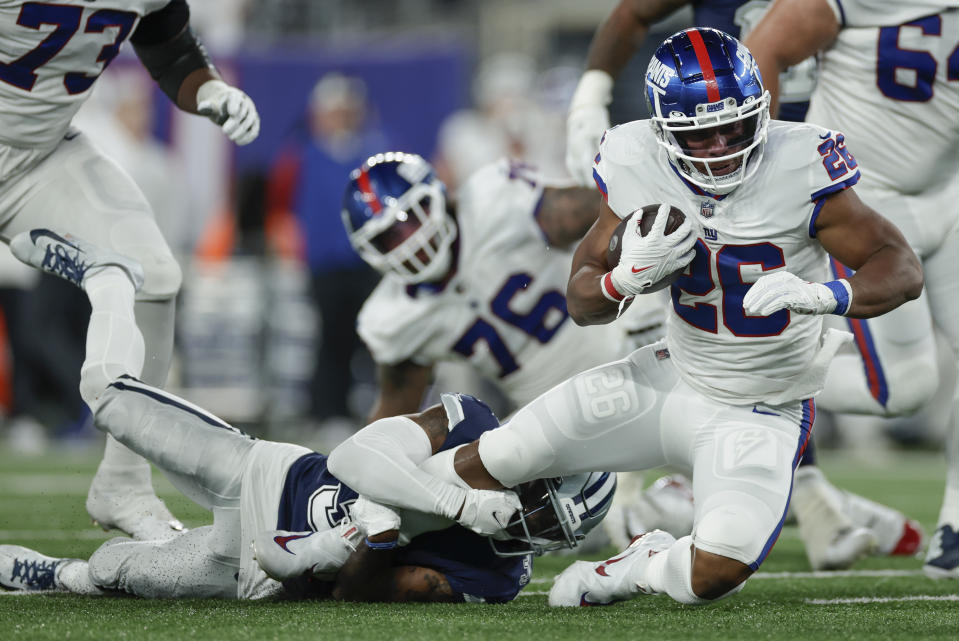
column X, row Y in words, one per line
column 557, row 513
column 744, row 127
column 412, row 237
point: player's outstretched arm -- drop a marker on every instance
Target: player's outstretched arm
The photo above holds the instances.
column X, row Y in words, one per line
column 565, row 214
column 178, row 62
column 788, row 33
column 616, row 41
column 401, row 389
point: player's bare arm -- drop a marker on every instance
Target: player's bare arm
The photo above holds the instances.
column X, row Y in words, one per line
column 584, row 298
column 623, row 32
column 178, row 62
column 888, row 272
column 789, row 32
column 567, row 213
column 402, row 387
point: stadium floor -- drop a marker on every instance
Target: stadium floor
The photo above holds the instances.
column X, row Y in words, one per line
column 41, row 506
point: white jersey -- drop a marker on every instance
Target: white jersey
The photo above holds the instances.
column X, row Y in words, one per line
column 504, row 310
column 877, row 83
column 763, row 226
column 50, row 56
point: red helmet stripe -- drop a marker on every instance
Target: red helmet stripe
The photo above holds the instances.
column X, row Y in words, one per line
column 369, row 196
column 705, row 64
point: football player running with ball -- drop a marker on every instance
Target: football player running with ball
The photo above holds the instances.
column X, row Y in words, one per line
column 53, row 177
column 728, row 393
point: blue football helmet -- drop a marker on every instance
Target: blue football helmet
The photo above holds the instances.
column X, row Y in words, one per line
column 394, row 211
column 701, row 82
column 557, row 513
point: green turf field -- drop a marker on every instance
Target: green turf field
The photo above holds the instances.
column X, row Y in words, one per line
column 41, row 505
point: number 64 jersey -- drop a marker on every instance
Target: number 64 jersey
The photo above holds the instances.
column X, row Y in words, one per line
column 764, row 225
column 504, row 309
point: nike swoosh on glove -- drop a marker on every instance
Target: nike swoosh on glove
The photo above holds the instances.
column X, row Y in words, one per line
column 784, row 290
column 487, row 512
column 648, row 259
column 229, row 108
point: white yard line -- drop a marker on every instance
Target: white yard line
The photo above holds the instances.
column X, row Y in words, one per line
column 883, row 599
column 813, row 575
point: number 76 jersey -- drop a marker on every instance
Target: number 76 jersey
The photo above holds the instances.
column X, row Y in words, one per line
column 504, row 309
column 765, row 225
column 51, row 53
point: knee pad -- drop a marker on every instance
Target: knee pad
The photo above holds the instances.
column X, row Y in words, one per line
column 162, row 276
column 736, row 529
column 517, row 451
column 912, row 384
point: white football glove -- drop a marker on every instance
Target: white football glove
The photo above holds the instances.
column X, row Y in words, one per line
column 229, row 108
column 588, row 120
column 487, row 512
column 784, row 290
column 648, row 259
column 372, row 517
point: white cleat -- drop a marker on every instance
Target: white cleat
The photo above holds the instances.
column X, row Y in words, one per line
column 70, row 258
column 585, row 583
column 832, row 541
column 896, row 535
column 131, row 508
column 25, row 569
column 287, row 555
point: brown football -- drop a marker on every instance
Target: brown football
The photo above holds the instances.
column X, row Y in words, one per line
column 648, row 213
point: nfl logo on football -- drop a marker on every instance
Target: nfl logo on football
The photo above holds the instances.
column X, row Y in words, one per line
column 706, row 209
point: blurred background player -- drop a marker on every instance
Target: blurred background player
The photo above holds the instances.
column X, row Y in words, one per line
column 42, row 88
column 306, row 181
column 837, row 527
column 888, row 67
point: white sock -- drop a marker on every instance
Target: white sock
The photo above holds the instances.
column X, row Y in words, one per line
column 74, row 575
column 120, row 461
column 114, row 343
column 671, row 571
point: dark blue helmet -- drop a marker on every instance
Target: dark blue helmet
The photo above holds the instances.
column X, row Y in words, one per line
column 394, row 211
column 701, row 82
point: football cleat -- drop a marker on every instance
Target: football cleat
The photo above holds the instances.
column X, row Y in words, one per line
column 25, row 569
column 665, row 505
column 287, row 555
column 130, row 506
column 896, row 535
column 942, row 558
column 70, row 258
column 586, row 583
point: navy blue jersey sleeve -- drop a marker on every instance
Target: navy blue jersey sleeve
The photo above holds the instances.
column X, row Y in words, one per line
column 312, row 498
column 475, row 418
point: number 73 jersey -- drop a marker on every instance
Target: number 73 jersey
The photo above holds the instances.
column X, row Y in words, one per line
column 765, row 225
column 504, row 310
column 51, row 53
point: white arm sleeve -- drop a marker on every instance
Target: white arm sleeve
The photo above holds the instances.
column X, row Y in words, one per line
column 382, row 460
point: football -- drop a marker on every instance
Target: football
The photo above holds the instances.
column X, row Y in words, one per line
column 648, row 214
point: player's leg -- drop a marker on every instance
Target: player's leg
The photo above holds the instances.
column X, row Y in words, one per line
column 942, row 558
column 28, row 570
column 78, row 191
column 185, row 566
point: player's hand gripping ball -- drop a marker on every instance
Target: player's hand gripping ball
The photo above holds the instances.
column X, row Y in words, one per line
column 648, row 216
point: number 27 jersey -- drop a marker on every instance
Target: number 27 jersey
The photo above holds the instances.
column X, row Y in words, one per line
column 765, row 225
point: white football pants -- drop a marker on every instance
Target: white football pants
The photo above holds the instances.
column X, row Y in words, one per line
column 637, row 414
